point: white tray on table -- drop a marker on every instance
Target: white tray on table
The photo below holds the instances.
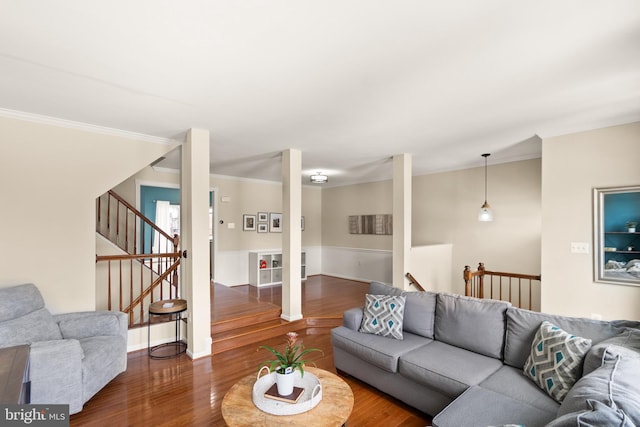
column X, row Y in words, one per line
column 310, row 398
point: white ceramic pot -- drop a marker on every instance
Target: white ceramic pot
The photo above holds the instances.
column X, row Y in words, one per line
column 285, row 383
column 632, row 229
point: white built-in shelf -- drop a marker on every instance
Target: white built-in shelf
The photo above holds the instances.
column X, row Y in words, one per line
column 265, row 268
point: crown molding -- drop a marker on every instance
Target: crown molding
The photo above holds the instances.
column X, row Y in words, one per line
column 70, row 124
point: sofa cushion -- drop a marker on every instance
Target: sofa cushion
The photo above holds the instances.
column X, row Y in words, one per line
column 380, row 351
column 627, row 343
column 383, row 315
column 471, row 323
column 481, row 407
column 16, row 301
column 419, row 313
column 35, row 326
column 555, row 361
column 96, row 325
column 511, row 382
column 522, row 325
column 446, row 368
column 352, row 318
column 598, row 414
column 615, row 383
column 102, row 362
column 379, row 288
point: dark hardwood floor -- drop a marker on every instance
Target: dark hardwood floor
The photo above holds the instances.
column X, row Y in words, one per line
column 182, row 392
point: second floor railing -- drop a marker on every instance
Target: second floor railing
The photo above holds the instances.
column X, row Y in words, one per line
column 521, row 290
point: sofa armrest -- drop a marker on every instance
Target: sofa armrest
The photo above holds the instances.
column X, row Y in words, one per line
column 352, row 318
column 86, row 324
column 55, row 372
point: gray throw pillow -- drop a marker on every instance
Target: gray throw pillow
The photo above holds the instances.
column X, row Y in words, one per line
column 615, row 383
column 555, row 361
column 383, row 315
column 596, row 415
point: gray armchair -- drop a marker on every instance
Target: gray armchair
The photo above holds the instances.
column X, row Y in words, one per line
column 72, row 356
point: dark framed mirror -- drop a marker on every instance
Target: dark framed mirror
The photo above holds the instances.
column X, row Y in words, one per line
column 616, row 239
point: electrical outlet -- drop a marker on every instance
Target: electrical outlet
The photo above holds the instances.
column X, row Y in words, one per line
column 579, row 248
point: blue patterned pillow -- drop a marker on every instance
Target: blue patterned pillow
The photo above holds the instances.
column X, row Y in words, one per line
column 555, row 361
column 383, row 315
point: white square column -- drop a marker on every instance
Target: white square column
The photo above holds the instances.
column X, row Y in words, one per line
column 291, row 235
column 194, row 234
column 401, row 219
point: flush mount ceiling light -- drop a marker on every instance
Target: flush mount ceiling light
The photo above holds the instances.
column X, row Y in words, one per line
column 485, row 214
column 319, row 178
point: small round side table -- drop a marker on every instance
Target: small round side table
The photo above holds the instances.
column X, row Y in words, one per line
column 162, row 308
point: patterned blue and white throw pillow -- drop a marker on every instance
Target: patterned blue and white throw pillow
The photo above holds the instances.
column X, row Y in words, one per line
column 383, row 315
column 555, row 361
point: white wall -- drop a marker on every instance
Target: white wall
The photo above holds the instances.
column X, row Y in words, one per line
column 572, row 166
column 50, row 177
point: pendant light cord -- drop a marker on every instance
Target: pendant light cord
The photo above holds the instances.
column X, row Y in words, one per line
column 485, row 176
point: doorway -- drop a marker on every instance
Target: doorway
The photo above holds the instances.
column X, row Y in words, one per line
column 161, row 204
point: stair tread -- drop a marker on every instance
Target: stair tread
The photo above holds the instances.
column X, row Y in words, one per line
column 259, row 331
column 249, row 329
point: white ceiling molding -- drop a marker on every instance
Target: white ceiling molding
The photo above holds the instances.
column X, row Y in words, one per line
column 70, row 124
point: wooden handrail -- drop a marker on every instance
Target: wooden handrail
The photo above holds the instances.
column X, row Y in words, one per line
column 136, row 256
column 140, row 215
column 475, row 285
column 125, row 226
column 414, row 282
column 138, row 300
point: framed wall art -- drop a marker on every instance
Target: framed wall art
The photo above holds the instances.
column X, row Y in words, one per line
column 249, row 222
column 263, row 217
column 275, row 222
column 616, row 237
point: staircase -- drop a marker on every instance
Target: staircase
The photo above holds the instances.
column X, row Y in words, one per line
column 147, row 268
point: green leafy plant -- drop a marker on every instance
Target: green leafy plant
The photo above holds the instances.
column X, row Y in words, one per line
column 631, row 224
column 292, row 357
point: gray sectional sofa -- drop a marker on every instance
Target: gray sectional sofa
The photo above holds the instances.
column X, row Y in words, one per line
column 72, row 355
column 461, row 360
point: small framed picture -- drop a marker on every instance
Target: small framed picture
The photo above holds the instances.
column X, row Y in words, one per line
column 275, row 222
column 263, row 217
column 263, row 227
column 249, row 222
column 302, row 224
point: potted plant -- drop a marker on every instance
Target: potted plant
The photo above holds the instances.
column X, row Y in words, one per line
column 631, row 226
column 287, row 362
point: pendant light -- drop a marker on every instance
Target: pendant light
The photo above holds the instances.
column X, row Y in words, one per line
column 485, row 214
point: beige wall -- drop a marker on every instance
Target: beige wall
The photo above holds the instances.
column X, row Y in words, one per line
column 362, row 199
column 572, row 166
column 244, row 197
column 50, row 177
column 445, row 210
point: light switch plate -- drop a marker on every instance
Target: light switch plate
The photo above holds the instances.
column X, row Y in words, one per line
column 579, row 248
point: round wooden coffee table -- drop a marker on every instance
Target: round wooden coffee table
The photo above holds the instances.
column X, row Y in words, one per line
column 334, row 409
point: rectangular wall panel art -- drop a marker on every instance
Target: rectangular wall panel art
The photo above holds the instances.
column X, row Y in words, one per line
column 371, row 224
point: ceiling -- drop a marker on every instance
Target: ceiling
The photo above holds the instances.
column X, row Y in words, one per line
column 349, row 83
